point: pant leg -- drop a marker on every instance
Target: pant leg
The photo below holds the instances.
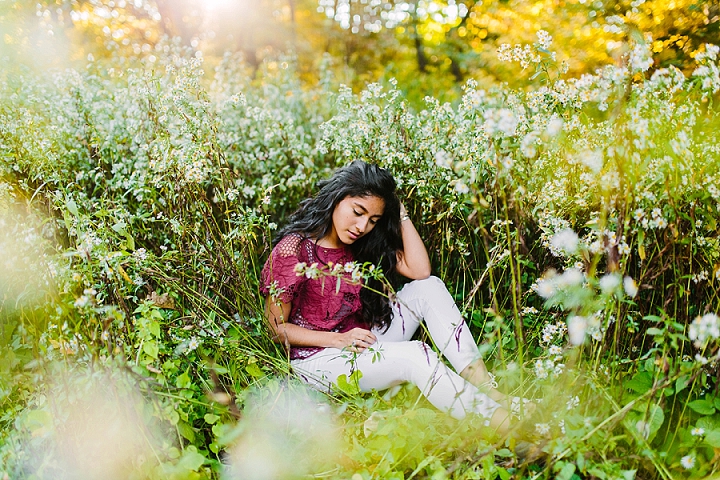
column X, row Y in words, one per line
column 429, row 300
column 391, row 363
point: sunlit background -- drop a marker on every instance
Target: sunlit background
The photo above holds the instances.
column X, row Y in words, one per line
column 445, row 41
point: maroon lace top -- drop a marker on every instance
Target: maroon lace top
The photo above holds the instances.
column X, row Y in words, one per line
column 316, row 303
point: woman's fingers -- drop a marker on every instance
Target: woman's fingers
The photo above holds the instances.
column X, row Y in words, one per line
column 360, row 339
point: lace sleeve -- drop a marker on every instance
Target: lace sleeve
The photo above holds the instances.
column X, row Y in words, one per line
column 278, row 274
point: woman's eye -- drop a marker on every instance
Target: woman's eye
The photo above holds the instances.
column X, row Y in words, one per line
column 357, row 214
column 373, row 222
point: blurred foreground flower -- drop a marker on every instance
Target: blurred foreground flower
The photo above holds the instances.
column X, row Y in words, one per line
column 284, row 434
column 704, row 328
column 91, row 426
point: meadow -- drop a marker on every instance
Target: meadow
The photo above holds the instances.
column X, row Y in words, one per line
column 575, row 223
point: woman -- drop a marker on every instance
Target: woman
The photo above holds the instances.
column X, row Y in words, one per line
column 333, row 328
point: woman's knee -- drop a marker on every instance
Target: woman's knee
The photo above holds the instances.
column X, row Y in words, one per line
column 427, row 286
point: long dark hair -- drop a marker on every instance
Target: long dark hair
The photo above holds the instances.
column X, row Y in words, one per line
column 314, row 219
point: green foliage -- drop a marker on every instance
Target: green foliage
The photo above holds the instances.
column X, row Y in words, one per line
column 574, row 223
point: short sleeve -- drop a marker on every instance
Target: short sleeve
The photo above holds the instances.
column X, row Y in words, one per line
column 278, row 274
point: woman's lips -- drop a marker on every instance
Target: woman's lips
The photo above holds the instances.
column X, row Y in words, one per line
column 353, row 236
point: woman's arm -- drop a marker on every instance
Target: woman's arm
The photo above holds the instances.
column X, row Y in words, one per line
column 277, row 312
column 413, row 261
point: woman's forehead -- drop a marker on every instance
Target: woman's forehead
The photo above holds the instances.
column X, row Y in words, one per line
column 372, row 204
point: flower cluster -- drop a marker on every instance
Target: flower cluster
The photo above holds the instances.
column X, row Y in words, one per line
column 703, row 329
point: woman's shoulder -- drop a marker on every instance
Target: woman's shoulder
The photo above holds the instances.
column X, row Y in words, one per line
column 290, row 245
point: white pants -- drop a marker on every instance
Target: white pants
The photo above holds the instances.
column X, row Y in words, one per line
column 395, row 359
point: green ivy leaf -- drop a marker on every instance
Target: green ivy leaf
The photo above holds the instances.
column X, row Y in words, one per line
column 211, row 418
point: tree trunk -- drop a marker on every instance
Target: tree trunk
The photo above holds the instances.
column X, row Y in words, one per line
column 417, row 40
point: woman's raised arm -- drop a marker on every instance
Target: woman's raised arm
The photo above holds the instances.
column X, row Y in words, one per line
column 412, row 261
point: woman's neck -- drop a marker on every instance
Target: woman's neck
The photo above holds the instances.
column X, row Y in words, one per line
column 328, row 242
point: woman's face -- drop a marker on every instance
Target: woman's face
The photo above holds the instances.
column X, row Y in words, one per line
column 353, row 218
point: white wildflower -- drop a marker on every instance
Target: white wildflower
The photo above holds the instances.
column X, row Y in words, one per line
column 640, row 59
column 443, row 159
column 542, row 429
column 544, row 39
column 609, row 283
column 631, row 288
column 564, row 242
column 687, row 462
column 528, row 145
column 577, row 327
column 573, row 402
column 592, row 160
column 704, row 328
column 554, row 126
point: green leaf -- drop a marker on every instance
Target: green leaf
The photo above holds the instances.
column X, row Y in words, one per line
column 211, row 418
column 596, row 472
column 503, row 474
column 657, row 417
column 191, row 460
column 712, row 438
column 129, row 241
column 254, row 370
column 154, row 328
column 72, row 206
column 566, row 472
column 703, row 407
column 174, row 417
column 655, row 331
column 151, row 349
column 351, row 385
column 681, row 383
column 640, row 383
column 628, row 474
column 183, row 381
column 716, row 401
column 186, row 431
column 709, row 423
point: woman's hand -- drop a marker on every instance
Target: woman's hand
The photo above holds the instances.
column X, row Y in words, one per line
column 356, row 340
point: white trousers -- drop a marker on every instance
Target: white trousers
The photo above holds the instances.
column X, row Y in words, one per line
column 395, row 359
